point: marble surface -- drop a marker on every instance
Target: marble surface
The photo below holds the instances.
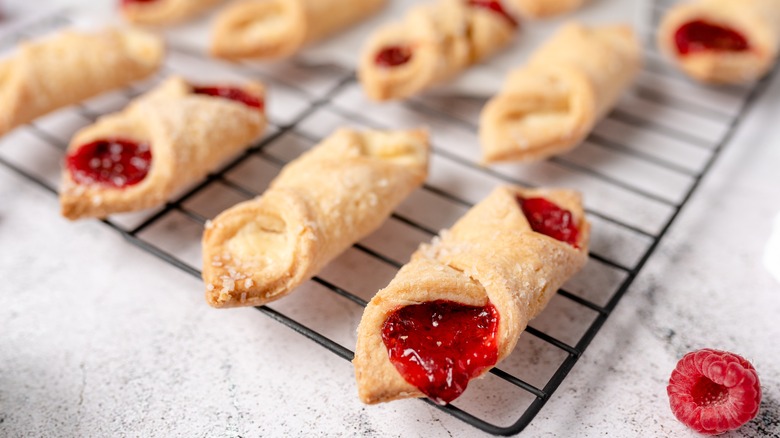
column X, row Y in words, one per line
column 97, row 338
column 772, row 251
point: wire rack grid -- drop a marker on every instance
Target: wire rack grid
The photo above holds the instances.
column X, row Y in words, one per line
column 637, row 171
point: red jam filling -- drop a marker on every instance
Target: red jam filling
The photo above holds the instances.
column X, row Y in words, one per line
column 393, row 56
column 440, row 345
column 232, row 93
column 113, row 162
column 699, row 36
column 549, row 219
column 495, row 6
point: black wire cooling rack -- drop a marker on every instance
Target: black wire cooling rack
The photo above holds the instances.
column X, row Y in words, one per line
column 637, row 170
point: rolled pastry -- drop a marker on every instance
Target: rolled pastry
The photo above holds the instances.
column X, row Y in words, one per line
column 550, row 105
column 319, row 205
column 458, row 307
column 434, row 42
column 159, row 12
column 163, row 141
column 279, row 28
column 545, row 8
column 70, row 67
column 722, row 41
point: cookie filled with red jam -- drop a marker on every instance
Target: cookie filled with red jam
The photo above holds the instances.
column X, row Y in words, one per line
column 458, row 307
column 163, row 141
column 434, row 41
column 722, row 41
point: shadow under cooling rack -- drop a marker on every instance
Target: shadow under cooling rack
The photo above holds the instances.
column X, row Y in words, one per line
column 637, row 171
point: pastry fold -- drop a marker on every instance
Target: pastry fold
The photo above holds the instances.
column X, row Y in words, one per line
column 490, row 255
column 317, row 207
column 70, row 67
column 545, row 8
column 268, row 29
column 440, row 39
column 756, row 21
column 161, row 12
column 549, row 106
column 188, row 135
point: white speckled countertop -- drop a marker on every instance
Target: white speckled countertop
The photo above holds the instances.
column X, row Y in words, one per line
column 98, row 338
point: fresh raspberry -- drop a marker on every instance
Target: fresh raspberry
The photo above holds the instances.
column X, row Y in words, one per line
column 714, row 391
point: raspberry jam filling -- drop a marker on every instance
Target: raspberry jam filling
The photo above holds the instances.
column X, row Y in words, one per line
column 393, row 56
column 440, row 345
column 549, row 219
column 112, row 162
column 699, row 36
column 232, row 93
column 495, row 6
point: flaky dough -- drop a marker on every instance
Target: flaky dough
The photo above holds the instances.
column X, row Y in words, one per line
column 161, row 12
column 550, row 105
column 70, row 67
column 490, row 254
column 319, row 205
column 444, row 37
column 757, row 20
column 188, row 134
column 267, row 29
column 545, row 8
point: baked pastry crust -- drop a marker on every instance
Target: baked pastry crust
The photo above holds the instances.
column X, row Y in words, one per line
column 757, row 20
column 445, row 37
column 549, row 106
column 489, row 255
column 188, row 134
column 319, row 205
column 70, row 67
column 161, row 12
column 270, row 29
column 545, row 8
